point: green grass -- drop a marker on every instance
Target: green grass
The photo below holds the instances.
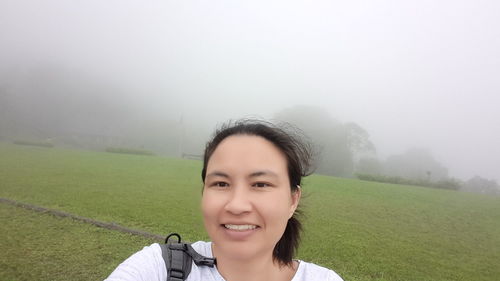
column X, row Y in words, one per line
column 151, row 193
column 43, row 247
column 362, row 230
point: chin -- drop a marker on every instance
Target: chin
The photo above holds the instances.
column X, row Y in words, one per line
column 241, row 250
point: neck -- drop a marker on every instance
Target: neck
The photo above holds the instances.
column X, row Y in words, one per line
column 257, row 268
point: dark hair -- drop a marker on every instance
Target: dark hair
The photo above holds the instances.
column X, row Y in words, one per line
column 298, row 153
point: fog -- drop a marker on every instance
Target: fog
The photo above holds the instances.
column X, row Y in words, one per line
column 412, row 73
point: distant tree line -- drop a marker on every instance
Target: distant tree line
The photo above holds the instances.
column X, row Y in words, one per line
column 345, row 150
column 451, row 183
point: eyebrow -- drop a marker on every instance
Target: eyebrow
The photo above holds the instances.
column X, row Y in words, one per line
column 252, row 175
column 217, row 174
column 263, row 173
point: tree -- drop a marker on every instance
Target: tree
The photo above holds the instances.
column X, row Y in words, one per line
column 415, row 164
column 337, row 144
column 369, row 166
column 358, row 139
column 481, row 185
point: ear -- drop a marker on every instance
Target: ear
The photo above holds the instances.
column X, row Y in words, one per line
column 295, row 201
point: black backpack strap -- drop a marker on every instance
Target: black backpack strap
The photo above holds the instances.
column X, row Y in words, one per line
column 178, row 259
column 198, row 259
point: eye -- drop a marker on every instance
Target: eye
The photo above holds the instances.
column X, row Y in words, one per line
column 219, row 184
column 261, row 184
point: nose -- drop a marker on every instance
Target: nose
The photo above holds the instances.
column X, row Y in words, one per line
column 239, row 201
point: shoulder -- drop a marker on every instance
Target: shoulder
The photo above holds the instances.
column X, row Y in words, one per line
column 146, row 264
column 311, row 272
column 203, row 248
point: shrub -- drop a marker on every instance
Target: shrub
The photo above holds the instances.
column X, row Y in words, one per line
column 125, row 150
column 384, row 178
column 451, row 183
column 34, row 143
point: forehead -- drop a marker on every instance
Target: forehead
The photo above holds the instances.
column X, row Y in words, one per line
column 247, row 151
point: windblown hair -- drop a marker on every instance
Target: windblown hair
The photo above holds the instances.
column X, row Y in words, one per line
column 292, row 143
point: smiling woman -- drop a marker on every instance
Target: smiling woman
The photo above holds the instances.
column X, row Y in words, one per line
column 252, row 171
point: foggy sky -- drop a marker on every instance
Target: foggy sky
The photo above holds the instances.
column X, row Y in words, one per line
column 412, row 73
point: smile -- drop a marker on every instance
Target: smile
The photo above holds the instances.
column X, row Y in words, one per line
column 240, row 227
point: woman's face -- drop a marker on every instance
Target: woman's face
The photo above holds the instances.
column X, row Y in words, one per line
column 247, row 199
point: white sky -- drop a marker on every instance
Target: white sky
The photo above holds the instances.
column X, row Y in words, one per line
column 413, row 73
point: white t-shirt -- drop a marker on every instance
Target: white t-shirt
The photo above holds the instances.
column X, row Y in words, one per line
column 148, row 265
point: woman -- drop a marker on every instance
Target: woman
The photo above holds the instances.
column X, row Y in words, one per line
column 252, row 172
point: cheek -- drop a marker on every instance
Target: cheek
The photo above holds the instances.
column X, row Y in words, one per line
column 209, row 205
column 205, row 205
column 276, row 209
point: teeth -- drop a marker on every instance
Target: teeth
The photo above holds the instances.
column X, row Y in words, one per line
column 240, row 227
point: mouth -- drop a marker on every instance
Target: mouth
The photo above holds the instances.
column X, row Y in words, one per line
column 240, row 227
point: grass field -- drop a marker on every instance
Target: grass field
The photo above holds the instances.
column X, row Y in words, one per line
column 362, row 230
column 42, row 247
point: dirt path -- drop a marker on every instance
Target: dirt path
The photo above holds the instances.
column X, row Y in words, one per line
column 110, row 226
